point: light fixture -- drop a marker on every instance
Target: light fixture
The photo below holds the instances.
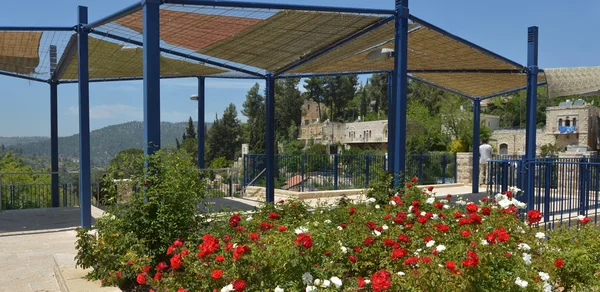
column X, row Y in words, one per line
column 380, row 54
column 194, row 97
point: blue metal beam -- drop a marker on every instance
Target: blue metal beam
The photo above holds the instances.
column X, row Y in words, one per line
column 201, row 103
column 332, row 47
column 477, row 71
column 399, row 100
column 391, row 121
column 476, row 131
column 123, row 79
column 179, row 54
column 270, row 139
column 110, row 18
column 308, row 75
column 11, row 74
column 440, row 87
column 510, row 91
column 38, row 28
column 240, row 4
column 468, row 43
column 531, row 122
column 54, row 142
column 85, row 172
column 151, row 59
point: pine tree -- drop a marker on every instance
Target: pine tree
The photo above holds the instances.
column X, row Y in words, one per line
column 288, row 109
column 254, row 109
column 224, row 137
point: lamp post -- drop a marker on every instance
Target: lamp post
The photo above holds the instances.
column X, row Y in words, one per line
column 200, row 99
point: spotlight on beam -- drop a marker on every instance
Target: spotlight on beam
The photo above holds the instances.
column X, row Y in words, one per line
column 380, row 54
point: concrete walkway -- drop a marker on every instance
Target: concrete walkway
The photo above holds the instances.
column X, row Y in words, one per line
column 28, row 241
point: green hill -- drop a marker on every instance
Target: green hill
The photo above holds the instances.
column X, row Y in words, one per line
column 105, row 143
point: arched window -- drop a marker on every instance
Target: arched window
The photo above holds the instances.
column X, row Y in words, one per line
column 567, row 122
column 574, row 122
column 503, row 149
column 560, row 122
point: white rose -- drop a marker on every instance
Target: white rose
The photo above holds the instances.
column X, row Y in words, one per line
column 440, row 248
column 400, row 274
column 527, row 258
column 377, row 233
column 327, row 221
column 393, row 203
column 336, row 281
column 227, row 288
column 544, row 276
column 430, row 243
column 249, row 218
column 278, row 289
column 344, row 249
column 317, row 282
column 301, row 229
column 430, row 201
column 326, row 283
column 484, row 242
column 377, row 206
column 521, row 283
column 385, row 227
column 311, row 288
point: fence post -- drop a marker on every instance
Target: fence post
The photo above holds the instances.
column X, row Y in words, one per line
column 444, row 165
column 303, row 162
column 504, row 175
column 12, row 194
column 582, row 186
column 245, row 168
column 367, row 162
column 455, row 168
column 547, row 186
column 420, row 175
column 335, row 171
column 231, row 185
column 65, row 203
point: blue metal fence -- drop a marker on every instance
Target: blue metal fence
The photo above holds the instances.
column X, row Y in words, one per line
column 28, row 196
column 311, row 172
column 563, row 187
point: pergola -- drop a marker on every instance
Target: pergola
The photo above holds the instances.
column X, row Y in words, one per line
column 156, row 39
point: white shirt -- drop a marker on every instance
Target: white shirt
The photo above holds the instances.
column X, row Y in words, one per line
column 485, row 153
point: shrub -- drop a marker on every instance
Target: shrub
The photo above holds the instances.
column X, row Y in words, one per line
column 135, row 233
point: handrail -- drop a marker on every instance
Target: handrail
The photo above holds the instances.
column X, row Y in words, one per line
column 252, row 181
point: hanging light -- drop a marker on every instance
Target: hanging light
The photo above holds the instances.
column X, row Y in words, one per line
column 380, row 54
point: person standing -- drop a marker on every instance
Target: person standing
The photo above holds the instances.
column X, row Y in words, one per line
column 485, row 154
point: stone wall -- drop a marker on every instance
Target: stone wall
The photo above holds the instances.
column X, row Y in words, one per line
column 375, row 131
column 310, row 112
column 464, row 167
column 515, row 140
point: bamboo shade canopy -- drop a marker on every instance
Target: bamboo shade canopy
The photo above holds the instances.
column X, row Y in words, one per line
column 113, row 60
column 19, row 51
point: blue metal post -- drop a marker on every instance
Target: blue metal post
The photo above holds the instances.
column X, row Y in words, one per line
column 54, row 141
column 151, row 31
column 245, row 169
column 547, row 186
column 201, row 100
column 476, row 130
column 420, row 170
column 504, row 176
column 532, row 76
column 335, row 171
column 455, row 168
column 303, row 167
column 391, row 121
column 583, row 180
column 270, row 147
column 85, row 173
column 400, row 85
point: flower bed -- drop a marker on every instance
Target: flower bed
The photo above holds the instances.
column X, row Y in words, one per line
column 407, row 241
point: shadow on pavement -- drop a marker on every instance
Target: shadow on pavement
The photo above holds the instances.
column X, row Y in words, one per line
column 38, row 220
column 228, row 204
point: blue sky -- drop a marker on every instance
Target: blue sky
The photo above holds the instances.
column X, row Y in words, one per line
column 568, row 38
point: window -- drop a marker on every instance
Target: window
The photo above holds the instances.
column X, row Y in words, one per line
column 567, row 122
column 306, row 122
column 308, row 107
column 574, row 122
column 504, row 148
column 560, row 122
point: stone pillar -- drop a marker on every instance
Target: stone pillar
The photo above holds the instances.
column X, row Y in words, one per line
column 464, row 168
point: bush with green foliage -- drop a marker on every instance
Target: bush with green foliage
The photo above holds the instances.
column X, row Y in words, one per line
column 133, row 234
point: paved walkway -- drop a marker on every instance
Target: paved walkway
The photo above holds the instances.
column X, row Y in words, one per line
column 28, row 241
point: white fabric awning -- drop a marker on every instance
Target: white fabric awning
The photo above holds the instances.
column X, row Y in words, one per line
column 573, row 81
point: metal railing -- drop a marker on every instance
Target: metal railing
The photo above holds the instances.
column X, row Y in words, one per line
column 221, row 182
column 564, row 188
column 312, row 172
column 16, row 194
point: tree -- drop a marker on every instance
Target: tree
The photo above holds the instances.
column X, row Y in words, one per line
column 254, row 109
column 315, row 91
column 190, row 131
column 224, row 137
column 339, row 90
column 288, row 109
column 377, row 89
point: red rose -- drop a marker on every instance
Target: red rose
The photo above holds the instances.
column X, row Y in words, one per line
column 273, row 216
column 425, row 259
column 380, row 229
column 450, row 265
column 141, row 278
column 161, row 266
column 457, row 215
column 220, row 258
column 305, row 240
column 235, row 220
column 584, row 220
column 226, row 238
column 439, row 205
column 327, row 253
column 361, row 282
column 486, row 211
column 130, row 263
column 185, row 252
column 281, row 201
column 357, row 249
column 352, row 211
column 176, row 261
column 411, row 261
column 476, row 219
column 507, row 254
column 509, row 194
column 534, row 216
column 414, row 179
column 387, row 217
column 146, row 269
column 484, row 199
column 471, row 208
column 343, row 226
column 266, row 226
column 443, row 228
column 216, row 274
column 282, row 228
column 254, row 236
column 472, row 259
column 559, row 263
column 408, row 225
column 157, row 276
column 465, row 233
column 428, row 238
column 430, row 188
column 180, row 290
column 422, row 219
column 239, row 251
column 368, row 241
column 409, row 186
column 464, row 221
column 371, row 225
column 169, row 251
column 381, row 281
column 239, row 285
column 352, row 258
column 118, row 275
column 178, row 243
column 403, row 238
column 399, row 253
column 503, row 237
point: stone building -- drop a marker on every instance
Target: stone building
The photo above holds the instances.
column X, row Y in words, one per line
column 569, row 124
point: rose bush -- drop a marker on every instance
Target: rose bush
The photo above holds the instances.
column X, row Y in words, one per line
column 405, row 240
